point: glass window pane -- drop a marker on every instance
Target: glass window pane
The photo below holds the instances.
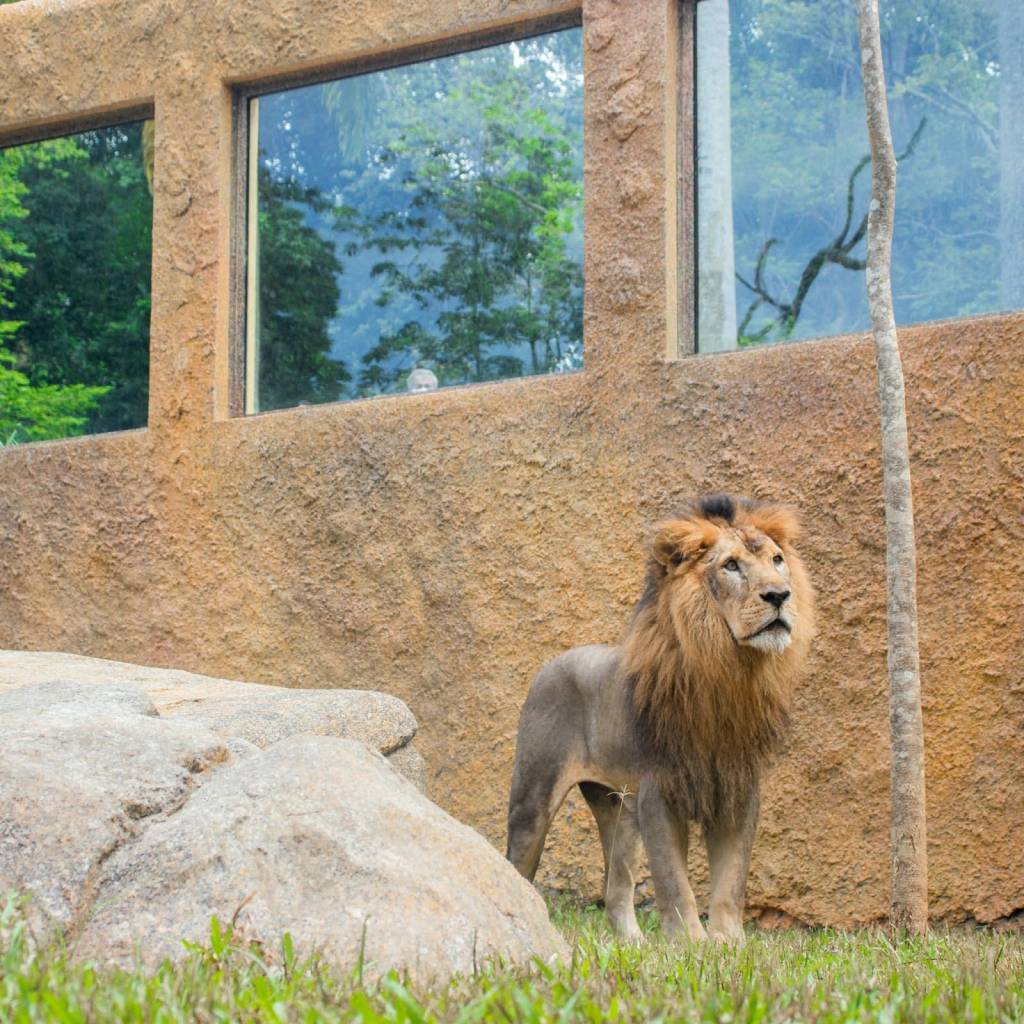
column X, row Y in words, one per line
column 76, row 217
column 417, row 226
column 783, row 175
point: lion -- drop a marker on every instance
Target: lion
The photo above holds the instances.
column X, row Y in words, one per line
column 678, row 723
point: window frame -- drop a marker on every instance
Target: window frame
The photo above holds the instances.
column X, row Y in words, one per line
column 687, row 275
column 241, row 243
column 77, row 124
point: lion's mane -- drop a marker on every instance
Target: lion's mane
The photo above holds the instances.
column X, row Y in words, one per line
column 709, row 714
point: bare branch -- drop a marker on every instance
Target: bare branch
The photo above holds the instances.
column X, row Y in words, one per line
column 837, row 251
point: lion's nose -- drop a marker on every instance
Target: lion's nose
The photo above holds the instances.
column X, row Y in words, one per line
column 776, row 598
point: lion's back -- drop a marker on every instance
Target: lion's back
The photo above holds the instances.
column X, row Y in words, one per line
column 567, row 687
column 580, row 673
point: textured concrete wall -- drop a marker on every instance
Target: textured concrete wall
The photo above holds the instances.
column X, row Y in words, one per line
column 441, row 546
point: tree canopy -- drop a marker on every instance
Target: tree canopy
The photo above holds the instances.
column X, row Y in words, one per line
column 75, row 237
column 450, row 196
column 798, row 144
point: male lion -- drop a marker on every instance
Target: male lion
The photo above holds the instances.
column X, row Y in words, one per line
column 677, row 723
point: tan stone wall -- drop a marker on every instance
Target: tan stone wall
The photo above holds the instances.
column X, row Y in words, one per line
column 441, row 546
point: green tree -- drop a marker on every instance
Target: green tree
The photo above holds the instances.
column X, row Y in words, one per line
column 84, row 297
column 452, row 191
column 798, row 134
column 40, row 412
column 496, row 221
column 30, row 412
column 298, row 297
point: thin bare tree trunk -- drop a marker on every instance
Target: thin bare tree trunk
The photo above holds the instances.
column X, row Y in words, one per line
column 909, row 911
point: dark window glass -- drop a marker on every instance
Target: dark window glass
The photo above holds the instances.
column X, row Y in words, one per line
column 75, row 250
column 417, row 227
column 783, row 176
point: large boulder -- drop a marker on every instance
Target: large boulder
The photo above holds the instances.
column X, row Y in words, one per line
column 320, row 838
column 130, row 830
column 81, row 769
column 256, row 712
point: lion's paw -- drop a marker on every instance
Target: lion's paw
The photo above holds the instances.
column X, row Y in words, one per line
column 633, row 936
column 728, row 935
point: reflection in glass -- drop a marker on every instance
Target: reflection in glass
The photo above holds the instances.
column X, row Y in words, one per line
column 783, row 175
column 422, row 218
column 75, row 250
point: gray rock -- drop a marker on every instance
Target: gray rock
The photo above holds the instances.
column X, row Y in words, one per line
column 241, row 748
column 130, row 830
column 65, row 693
column 407, row 761
column 319, row 837
column 265, row 714
column 81, row 768
column 256, row 712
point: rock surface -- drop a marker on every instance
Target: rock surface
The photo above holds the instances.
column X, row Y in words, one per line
column 81, row 769
column 131, row 830
column 319, row 837
column 259, row 713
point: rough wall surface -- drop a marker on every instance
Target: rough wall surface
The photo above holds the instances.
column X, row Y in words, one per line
column 440, row 547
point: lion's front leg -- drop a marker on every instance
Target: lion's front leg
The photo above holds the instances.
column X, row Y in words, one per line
column 729, row 845
column 665, row 836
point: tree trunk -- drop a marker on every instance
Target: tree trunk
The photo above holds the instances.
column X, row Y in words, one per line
column 909, row 910
column 716, row 263
column 1011, row 152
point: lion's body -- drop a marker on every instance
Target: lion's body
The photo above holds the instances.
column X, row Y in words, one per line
column 591, row 724
column 679, row 721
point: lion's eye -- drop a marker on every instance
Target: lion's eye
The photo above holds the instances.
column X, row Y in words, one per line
column 778, row 559
column 732, row 565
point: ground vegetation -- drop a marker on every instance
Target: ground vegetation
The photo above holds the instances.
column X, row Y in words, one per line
column 964, row 974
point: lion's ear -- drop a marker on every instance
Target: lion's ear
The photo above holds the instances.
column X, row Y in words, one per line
column 666, row 548
column 777, row 521
column 680, row 539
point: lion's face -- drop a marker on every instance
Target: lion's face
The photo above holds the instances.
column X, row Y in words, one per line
column 747, row 577
column 736, row 575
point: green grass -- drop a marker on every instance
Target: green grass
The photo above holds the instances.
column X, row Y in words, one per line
column 784, row 976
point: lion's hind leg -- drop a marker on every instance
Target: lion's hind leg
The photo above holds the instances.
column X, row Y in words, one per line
column 615, row 814
column 537, row 793
column 548, row 746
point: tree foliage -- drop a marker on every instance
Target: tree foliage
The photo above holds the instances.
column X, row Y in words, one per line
column 30, row 411
column 453, row 194
column 798, row 136
column 84, row 297
column 40, row 412
column 299, row 294
column 496, row 222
